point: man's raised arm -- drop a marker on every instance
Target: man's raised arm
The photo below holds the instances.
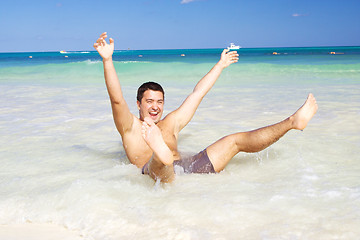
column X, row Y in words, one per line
column 122, row 116
column 186, row 111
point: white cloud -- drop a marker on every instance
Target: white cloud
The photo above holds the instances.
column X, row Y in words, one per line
column 299, row 15
column 187, row 1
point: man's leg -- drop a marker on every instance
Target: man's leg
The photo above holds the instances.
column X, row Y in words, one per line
column 222, row 151
column 160, row 166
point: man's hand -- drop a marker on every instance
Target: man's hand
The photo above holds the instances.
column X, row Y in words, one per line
column 104, row 49
column 228, row 58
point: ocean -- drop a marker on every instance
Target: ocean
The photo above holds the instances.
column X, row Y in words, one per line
column 62, row 160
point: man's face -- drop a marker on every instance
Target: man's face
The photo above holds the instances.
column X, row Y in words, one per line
column 151, row 105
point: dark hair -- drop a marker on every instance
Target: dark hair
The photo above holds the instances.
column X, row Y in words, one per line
column 148, row 86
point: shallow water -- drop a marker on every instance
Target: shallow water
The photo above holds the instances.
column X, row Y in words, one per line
column 62, row 160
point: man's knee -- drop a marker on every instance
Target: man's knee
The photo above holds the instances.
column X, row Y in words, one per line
column 238, row 141
column 245, row 142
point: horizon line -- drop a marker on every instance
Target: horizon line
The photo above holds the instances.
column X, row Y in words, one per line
column 157, row 49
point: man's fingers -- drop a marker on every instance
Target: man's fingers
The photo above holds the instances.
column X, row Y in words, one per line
column 149, row 121
column 233, row 56
column 233, row 53
column 99, row 41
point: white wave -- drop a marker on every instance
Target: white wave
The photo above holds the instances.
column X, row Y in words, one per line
column 88, row 61
column 74, row 52
column 133, row 62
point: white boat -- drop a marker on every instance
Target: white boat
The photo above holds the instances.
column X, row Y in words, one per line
column 233, row 47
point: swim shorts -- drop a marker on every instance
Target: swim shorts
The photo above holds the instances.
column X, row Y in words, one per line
column 199, row 163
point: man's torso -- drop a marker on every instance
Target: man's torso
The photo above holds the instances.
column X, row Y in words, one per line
column 137, row 150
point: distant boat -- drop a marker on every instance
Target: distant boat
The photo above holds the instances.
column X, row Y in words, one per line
column 63, row 52
column 233, row 47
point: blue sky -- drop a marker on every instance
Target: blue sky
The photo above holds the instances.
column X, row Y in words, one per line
column 53, row 25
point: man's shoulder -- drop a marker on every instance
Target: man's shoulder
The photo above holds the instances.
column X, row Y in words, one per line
column 168, row 123
column 135, row 127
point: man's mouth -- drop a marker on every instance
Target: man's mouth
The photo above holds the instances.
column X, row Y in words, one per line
column 153, row 114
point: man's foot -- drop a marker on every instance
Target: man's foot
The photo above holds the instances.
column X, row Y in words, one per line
column 303, row 115
column 153, row 137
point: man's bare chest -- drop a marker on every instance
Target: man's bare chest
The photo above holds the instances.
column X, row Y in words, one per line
column 137, row 150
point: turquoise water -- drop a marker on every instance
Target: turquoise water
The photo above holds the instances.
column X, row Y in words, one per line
column 248, row 55
column 62, row 161
column 299, row 65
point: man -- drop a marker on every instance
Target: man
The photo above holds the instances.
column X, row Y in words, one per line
column 151, row 142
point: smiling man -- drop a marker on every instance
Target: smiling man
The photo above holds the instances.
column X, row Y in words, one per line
column 150, row 101
column 150, row 142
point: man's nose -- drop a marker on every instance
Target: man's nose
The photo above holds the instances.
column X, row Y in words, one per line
column 154, row 106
